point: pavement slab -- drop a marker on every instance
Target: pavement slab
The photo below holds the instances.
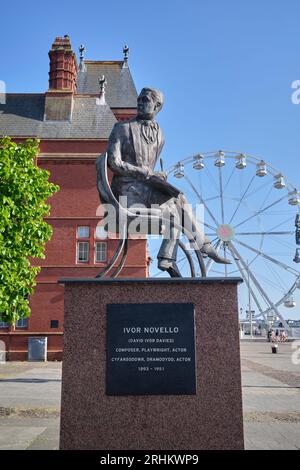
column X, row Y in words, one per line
column 30, row 400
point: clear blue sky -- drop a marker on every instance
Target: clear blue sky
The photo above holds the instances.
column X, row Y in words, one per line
column 225, row 67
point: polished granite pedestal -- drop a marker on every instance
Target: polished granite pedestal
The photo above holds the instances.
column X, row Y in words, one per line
column 207, row 414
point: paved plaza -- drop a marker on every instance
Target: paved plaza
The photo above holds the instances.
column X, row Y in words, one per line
column 30, row 400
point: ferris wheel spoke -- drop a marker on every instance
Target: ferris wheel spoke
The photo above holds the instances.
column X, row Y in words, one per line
column 257, row 190
column 270, row 258
column 208, row 226
column 219, row 273
column 241, row 199
column 265, row 233
column 245, row 279
column 266, row 198
column 202, row 201
column 273, row 272
column 157, row 274
column 261, row 211
column 271, row 283
column 214, row 240
column 271, row 230
column 289, row 219
column 212, row 178
column 201, row 222
column 225, row 256
column 221, row 194
column 284, row 243
column 212, row 198
column 229, row 179
column 258, row 286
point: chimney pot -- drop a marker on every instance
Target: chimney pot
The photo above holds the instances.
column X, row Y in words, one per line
column 63, row 65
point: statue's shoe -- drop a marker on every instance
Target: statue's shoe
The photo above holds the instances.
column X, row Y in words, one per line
column 208, row 250
column 169, row 266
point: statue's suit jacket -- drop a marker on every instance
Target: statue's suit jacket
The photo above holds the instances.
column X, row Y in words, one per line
column 130, row 157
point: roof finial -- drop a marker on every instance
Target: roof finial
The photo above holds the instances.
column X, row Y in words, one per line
column 81, row 64
column 102, row 83
column 125, row 52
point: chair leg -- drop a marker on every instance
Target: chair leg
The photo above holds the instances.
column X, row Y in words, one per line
column 189, row 258
column 201, row 263
column 114, row 258
column 122, row 262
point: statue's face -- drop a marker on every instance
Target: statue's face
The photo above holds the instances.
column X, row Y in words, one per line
column 147, row 106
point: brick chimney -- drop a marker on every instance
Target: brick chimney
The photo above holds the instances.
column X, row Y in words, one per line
column 62, row 81
column 63, row 65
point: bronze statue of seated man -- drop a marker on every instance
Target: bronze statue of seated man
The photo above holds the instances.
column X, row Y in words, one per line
column 133, row 150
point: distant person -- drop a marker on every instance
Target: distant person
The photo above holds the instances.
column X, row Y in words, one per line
column 283, row 336
column 273, row 337
column 269, row 335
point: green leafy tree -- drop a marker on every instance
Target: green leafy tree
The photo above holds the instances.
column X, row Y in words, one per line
column 24, row 190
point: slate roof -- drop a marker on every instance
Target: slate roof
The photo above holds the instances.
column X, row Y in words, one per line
column 23, row 115
column 120, row 89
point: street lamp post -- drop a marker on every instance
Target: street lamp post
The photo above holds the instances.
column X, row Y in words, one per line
column 249, row 303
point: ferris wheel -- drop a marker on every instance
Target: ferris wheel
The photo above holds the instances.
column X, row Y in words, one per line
column 251, row 214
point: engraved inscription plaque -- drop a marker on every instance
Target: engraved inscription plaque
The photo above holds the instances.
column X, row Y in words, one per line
column 150, row 349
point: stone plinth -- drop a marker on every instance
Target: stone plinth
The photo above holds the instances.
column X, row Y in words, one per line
column 210, row 419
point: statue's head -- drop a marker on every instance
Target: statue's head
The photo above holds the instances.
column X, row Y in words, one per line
column 149, row 103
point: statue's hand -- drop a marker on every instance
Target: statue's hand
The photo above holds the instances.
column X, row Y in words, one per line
column 161, row 174
column 144, row 173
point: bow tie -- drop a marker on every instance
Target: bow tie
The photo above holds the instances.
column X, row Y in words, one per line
column 148, row 122
column 149, row 130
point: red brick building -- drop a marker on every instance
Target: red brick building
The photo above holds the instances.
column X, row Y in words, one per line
column 73, row 123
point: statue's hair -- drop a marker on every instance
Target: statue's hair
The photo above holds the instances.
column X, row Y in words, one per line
column 156, row 94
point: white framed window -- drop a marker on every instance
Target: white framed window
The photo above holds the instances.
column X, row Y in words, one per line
column 100, row 252
column 3, row 324
column 83, row 252
column 83, row 231
column 22, row 323
column 100, row 232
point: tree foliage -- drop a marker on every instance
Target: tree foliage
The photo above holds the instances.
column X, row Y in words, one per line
column 24, row 190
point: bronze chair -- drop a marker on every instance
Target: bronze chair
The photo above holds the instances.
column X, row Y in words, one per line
column 127, row 214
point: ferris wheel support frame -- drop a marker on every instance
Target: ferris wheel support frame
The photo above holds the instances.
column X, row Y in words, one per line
column 258, row 286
